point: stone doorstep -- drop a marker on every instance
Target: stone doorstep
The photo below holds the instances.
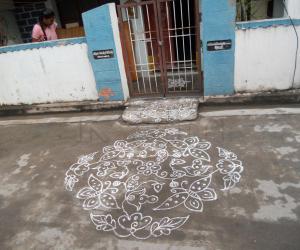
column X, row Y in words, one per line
column 161, row 110
column 278, row 97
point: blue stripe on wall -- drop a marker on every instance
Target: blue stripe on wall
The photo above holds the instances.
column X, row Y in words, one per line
column 218, row 23
column 99, row 36
column 46, row 44
column 267, row 23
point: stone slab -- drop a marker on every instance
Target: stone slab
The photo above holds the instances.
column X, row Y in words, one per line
column 161, row 110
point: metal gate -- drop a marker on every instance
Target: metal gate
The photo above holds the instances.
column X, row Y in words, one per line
column 161, row 47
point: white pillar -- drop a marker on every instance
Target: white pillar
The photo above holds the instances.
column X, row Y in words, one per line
column 116, row 33
column 293, row 7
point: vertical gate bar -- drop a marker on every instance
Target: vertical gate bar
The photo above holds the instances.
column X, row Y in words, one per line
column 167, row 7
column 150, row 31
column 198, row 43
column 162, row 60
column 131, row 42
column 190, row 38
column 143, row 26
column 139, row 48
column 183, row 37
column 175, row 25
column 125, row 51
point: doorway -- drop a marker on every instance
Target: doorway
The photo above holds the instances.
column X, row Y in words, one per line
column 161, row 45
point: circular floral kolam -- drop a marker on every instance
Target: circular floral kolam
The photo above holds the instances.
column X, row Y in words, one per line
column 130, row 187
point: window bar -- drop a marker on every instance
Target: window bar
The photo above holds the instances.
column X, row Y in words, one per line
column 151, row 47
column 183, row 43
column 140, row 33
column 187, row 67
column 146, row 50
column 143, row 64
column 141, row 40
column 183, row 28
column 167, row 7
column 184, row 35
column 139, row 48
column 131, row 42
column 175, row 25
column 190, row 37
column 144, row 70
column 182, row 61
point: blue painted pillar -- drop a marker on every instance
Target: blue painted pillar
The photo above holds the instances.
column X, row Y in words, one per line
column 218, row 23
column 99, row 35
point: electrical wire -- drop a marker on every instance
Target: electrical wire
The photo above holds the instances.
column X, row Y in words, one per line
column 297, row 47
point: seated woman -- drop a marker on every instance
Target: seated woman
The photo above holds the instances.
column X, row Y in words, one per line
column 45, row 29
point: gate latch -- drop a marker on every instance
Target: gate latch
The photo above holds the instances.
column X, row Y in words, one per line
column 160, row 43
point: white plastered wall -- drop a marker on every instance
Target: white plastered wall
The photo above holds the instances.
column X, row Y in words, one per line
column 265, row 59
column 293, row 7
column 56, row 74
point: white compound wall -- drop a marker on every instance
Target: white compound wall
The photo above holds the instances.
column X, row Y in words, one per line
column 52, row 74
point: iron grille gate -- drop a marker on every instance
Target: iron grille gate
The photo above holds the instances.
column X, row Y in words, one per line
column 161, row 45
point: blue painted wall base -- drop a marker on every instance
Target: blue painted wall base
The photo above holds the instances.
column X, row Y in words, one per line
column 99, row 36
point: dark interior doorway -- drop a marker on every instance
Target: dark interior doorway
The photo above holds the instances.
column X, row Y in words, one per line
column 70, row 10
column 188, row 22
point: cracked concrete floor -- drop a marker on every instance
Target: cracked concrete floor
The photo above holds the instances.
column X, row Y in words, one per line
column 261, row 212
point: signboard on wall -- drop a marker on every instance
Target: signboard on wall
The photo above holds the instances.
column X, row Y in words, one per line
column 103, row 54
column 219, row 45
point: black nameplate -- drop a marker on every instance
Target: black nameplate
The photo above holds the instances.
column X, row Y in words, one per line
column 103, row 54
column 219, row 45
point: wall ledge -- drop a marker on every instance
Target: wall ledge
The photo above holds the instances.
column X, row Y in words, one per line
column 266, row 23
column 290, row 96
column 46, row 44
column 60, row 107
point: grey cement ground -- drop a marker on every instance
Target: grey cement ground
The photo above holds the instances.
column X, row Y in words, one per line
column 262, row 212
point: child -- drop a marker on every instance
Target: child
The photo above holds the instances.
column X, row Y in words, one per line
column 45, row 29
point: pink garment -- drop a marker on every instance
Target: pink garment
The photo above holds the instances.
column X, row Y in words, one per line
column 50, row 31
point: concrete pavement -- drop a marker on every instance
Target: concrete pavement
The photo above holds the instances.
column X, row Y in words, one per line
column 260, row 210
